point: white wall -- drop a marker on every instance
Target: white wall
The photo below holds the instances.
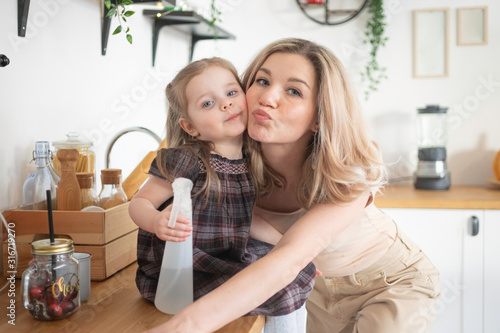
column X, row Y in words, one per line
column 58, row 81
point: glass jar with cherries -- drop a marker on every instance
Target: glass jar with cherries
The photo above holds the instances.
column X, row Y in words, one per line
column 50, row 284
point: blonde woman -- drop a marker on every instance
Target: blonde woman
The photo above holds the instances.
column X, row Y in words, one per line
column 206, row 125
column 318, row 173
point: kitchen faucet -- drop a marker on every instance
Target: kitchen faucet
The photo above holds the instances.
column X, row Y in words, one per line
column 125, row 131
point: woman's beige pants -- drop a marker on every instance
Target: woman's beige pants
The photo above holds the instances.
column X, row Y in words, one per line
column 397, row 294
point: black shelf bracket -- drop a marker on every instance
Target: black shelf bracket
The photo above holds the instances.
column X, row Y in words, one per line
column 157, row 25
column 185, row 21
column 106, row 24
column 23, row 7
column 194, row 39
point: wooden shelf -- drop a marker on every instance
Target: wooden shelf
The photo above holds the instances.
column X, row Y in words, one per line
column 186, row 21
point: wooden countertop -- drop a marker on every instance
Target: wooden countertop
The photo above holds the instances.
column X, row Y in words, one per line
column 115, row 305
column 457, row 197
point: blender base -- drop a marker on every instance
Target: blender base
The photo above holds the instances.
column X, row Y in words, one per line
column 433, row 183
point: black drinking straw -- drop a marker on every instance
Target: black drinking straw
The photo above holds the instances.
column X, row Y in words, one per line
column 51, row 223
column 51, row 232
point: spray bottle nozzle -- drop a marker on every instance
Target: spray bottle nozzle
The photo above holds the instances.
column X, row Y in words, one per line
column 182, row 193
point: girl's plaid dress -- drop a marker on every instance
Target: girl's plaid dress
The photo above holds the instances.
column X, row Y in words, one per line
column 221, row 244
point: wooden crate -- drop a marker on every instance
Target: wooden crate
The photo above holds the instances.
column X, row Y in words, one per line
column 110, row 236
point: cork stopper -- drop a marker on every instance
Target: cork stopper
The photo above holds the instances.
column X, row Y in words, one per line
column 85, row 179
column 111, row 176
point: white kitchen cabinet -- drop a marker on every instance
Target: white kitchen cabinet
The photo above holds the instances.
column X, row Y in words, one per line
column 445, row 235
column 492, row 271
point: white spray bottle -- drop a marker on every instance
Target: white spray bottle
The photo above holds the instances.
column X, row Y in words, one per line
column 175, row 285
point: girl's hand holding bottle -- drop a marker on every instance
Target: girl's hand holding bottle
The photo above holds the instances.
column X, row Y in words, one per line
column 178, row 233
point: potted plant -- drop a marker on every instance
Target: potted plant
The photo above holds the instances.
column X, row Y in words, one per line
column 118, row 9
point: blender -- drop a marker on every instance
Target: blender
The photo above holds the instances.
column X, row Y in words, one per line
column 432, row 173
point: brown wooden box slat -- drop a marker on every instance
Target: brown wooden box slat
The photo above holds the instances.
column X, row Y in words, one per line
column 106, row 259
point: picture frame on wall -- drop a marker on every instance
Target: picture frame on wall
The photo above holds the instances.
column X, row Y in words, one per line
column 472, row 26
column 430, row 42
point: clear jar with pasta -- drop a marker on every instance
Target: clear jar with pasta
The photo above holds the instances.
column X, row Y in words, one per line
column 86, row 159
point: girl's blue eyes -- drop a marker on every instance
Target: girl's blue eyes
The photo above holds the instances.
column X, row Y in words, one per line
column 210, row 103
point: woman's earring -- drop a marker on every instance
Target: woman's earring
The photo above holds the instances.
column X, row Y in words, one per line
column 314, row 157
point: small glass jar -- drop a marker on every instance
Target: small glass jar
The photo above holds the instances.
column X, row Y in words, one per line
column 86, row 159
column 88, row 194
column 111, row 193
column 50, row 285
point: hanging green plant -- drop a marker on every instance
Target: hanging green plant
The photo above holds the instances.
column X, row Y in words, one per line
column 374, row 35
column 215, row 16
column 118, row 9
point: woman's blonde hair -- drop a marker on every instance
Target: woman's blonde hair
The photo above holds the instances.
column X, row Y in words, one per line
column 342, row 162
column 177, row 109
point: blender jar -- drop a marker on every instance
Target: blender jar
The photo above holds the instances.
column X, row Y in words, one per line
column 431, row 127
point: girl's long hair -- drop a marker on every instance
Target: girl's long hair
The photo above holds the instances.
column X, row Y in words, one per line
column 346, row 162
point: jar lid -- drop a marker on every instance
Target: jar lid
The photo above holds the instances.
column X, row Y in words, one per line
column 43, row 246
column 433, row 108
column 111, row 176
column 85, row 179
column 72, row 142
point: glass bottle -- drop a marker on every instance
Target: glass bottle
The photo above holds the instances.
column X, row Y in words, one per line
column 45, row 178
column 86, row 159
column 87, row 191
column 50, row 287
column 111, row 193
